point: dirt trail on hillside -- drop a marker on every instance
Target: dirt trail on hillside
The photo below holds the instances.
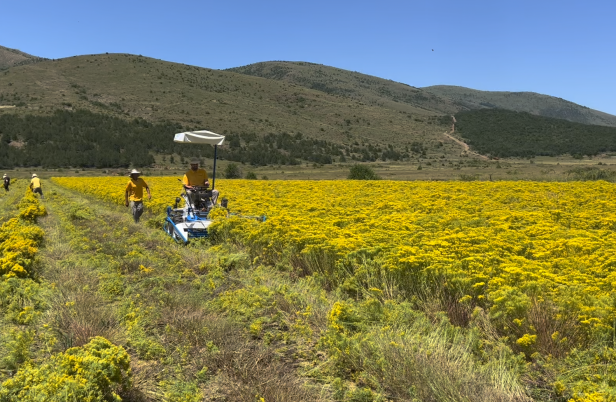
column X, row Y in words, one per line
column 464, row 145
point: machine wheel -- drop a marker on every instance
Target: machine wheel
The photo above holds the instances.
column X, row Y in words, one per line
column 170, row 230
column 178, row 239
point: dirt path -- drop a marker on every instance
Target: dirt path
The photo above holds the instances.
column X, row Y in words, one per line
column 464, row 145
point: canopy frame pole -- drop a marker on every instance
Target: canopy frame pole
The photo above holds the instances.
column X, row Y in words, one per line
column 214, row 170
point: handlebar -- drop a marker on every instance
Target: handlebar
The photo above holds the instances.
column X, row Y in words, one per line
column 199, row 188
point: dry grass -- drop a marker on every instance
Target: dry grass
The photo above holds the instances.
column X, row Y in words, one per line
column 558, row 332
column 246, row 368
column 83, row 318
column 432, row 362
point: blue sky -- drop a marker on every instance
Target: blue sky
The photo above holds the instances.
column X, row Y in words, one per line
column 560, row 48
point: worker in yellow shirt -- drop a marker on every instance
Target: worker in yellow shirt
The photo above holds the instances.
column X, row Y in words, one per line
column 197, row 177
column 134, row 193
column 35, row 185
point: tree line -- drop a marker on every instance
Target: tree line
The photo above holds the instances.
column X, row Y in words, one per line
column 91, row 140
column 505, row 133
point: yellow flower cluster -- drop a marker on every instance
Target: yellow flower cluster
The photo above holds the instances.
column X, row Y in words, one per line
column 502, row 246
column 20, row 238
column 94, row 372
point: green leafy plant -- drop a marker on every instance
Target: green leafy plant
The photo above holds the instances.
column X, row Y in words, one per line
column 362, row 172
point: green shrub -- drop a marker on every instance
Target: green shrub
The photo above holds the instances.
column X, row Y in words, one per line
column 181, row 391
column 232, row 171
column 362, row 172
column 591, row 173
column 94, row 372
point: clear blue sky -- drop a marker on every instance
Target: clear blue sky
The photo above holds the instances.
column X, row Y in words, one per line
column 559, row 48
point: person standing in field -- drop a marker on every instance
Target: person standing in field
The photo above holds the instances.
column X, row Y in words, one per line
column 197, row 177
column 134, row 193
column 35, row 185
column 6, row 181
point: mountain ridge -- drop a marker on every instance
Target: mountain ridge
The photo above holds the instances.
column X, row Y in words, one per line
column 295, row 98
column 129, row 86
column 13, row 57
column 444, row 99
column 531, row 102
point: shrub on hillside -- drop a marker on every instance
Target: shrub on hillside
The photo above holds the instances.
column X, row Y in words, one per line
column 362, row 172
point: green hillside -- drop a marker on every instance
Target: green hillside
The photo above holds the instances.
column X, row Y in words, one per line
column 13, row 57
column 358, row 116
column 505, row 133
column 353, row 85
column 542, row 105
column 128, row 87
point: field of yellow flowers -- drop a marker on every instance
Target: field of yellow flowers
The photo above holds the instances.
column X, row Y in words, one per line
column 536, row 260
column 506, row 247
column 78, row 373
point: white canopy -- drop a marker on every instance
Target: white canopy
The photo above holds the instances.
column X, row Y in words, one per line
column 200, row 137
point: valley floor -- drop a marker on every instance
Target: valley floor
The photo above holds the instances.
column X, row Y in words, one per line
column 465, row 169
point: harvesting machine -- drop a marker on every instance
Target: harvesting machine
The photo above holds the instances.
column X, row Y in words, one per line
column 193, row 219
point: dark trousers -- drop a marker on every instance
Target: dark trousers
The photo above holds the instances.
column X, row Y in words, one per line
column 136, row 209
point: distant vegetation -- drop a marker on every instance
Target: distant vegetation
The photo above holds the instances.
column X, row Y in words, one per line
column 531, row 102
column 86, row 139
column 362, row 172
column 590, row 173
column 504, row 133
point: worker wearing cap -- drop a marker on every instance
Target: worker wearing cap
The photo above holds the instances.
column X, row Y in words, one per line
column 35, row 185
column 6, row 182
column 197, row 177
column 134, row 193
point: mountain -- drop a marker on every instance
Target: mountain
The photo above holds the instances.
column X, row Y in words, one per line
column 534, row 103
column 363, row 116
column 13, row 57
column 440, row 99
column 130, row 86
column 361, row 87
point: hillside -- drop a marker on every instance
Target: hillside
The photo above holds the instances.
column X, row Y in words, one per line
column 365, row 88
column 129, row 87
column 506, row 133
column 441, row 99
column 287, row 106
column 542, row 105
column 13, row 57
